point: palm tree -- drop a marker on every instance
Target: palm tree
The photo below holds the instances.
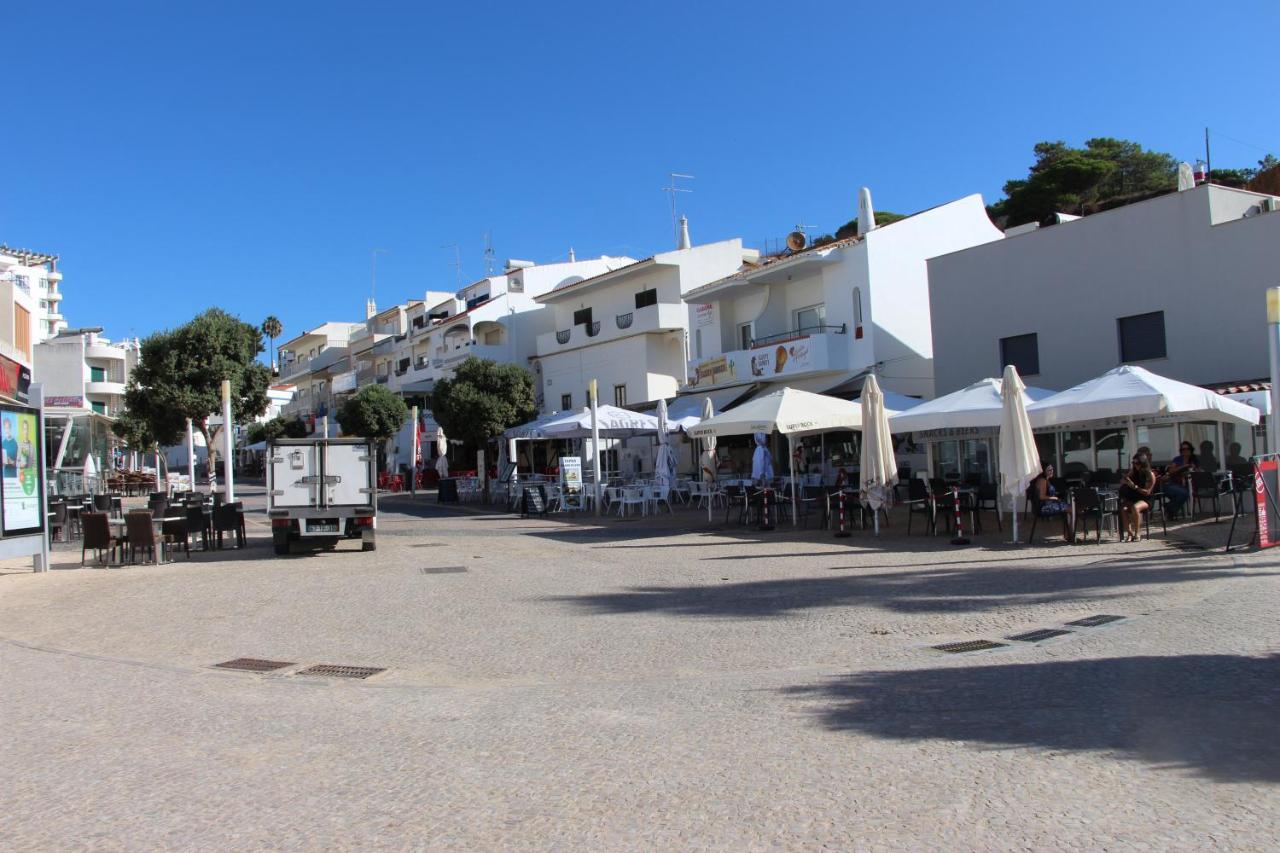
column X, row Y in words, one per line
column 271, row 327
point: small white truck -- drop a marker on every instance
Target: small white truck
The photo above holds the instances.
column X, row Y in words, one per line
column 322, row 490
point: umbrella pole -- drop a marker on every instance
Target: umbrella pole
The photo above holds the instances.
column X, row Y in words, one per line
column 791, row 454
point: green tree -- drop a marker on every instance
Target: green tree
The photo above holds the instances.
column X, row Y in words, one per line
column 180, row 373
column 482, row 400
column 272, row 328
column 1082, row 180
column 277, row 427
column 374, row 413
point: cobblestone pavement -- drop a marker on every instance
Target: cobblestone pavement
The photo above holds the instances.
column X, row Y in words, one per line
column 640, row 684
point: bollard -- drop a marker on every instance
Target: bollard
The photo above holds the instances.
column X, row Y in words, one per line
column 960, row 538
column 766, row 516
column 843, row 528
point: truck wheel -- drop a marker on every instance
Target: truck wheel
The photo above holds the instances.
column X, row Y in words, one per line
column 280, row 541
column 369, row 546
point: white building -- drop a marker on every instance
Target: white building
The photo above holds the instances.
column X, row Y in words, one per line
column 1175, row 284
column 36, row 275
column 18, row 318
column 627, row 328
column 823, row 317
column 80, row 369
column 310, row 362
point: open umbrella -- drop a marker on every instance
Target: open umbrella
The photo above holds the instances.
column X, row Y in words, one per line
column 442, row 448
column 708, row 463
column 1019, row 459
column 878, row 465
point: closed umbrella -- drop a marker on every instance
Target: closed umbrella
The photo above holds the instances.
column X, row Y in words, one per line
column 762, row 459
column 708, row 453
column 442, row 448
column 664, row 463
column 879, row 467
column 1019, row 459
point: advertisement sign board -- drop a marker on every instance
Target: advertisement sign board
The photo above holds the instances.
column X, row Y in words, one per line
column 571, row 474
column 1265, row 481
column 21, row 480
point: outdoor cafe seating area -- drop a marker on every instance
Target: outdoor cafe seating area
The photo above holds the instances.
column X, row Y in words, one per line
column 115, row 529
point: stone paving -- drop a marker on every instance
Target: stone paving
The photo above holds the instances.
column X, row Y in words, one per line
column 644, row 683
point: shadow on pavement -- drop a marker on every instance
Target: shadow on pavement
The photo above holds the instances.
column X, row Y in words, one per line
column 939, row 588
column 1213, row 714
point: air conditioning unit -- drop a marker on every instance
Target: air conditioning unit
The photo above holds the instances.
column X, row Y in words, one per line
column 1270, row 204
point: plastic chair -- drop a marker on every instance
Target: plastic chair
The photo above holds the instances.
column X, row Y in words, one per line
column 632, row 496
column 920, row 502
column 228, row 519
column 1088, row 504
column 1204, row 487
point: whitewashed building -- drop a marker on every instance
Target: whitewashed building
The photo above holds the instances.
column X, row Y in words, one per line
column 81, row 369
column 626, row 328
column 35, row 274
column 821, row 318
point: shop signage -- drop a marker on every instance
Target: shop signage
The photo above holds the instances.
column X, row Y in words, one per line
column 67, row 402
column 20, row 477
column 704, row 315
column 956, row 432
column 1265, row 487
column 783, row 359
column 15, row 380
column 713, row 371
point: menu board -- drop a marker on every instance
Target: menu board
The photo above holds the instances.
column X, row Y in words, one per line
column 1265, row 491
column 21, row 495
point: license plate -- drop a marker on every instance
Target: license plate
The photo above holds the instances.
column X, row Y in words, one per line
column 322, row 527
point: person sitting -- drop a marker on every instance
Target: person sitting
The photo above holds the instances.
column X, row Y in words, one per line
column 1135, row 496
column 1233, row 455
column 1051, row 503
column 1175, row 477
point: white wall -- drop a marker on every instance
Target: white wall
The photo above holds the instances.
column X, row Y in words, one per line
column 1069, row 284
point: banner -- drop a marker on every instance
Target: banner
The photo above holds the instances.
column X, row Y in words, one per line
column 1265, row 481
column 704, row 315
column 792, row 357
column 15, row 380
column 21, row 504
column 713, row 371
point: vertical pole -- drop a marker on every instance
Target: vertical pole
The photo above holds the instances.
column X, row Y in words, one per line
column 795, row 494
column 40, row 562
column 191, row 454
column 1273, row 337
column 413, row 458
column 595, row 447
column 228, row 443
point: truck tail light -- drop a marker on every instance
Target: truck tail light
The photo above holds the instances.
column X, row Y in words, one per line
column 363, row 521
column 280, row 522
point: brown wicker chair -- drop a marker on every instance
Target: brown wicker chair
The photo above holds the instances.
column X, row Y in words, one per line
column 97, row 535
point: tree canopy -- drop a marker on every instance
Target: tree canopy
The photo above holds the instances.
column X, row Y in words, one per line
column 277, row 427
column 180, row 372
column 850, row 228
column 1083, row 180
column 482, row 399
column 374, row 412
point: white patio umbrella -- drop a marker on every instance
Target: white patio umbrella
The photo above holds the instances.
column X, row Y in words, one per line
column 613, row 422
column 879, row 467
column 1136, row 395
column 442, row 448
column 978, row 405
column 788, row 411
column 1019, row 459
column 708, row 463
column 664, row 463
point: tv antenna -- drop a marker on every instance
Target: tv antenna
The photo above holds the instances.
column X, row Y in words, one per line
column 671, row 189
column 488, row 253
column 457, row 261
column 373, row 283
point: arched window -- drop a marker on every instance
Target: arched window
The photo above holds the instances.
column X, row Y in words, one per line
column 857, row 312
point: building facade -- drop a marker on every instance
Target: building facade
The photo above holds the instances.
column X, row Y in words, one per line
column 81, row 369
column 35, row 274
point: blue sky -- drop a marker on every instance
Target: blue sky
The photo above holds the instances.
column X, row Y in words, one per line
column 252, row 155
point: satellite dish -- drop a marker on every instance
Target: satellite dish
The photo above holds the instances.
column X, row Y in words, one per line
column 796, row 241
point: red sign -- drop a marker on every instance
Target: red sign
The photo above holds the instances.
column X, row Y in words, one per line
column 15, row 380
column 1266, row 472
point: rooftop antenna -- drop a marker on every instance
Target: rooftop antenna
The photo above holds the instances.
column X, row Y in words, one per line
column 671, row 189
column 488, row 253
column 457, row 261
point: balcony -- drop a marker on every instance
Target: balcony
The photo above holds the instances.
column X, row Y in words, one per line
column 105, row 388
column 776, row 358
column 103, row 351
column 650, row 319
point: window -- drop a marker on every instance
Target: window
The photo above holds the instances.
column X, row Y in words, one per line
column 23, row 283
column 100, row 408
column 857, row 312
column 646, row 298
column 97, row 374
column 811, row 318
column 620, row 396
column 1023, row 352
column 582, row 317
column 566, row 402
column 44, row 303
column 697, row 343
column 22, row 330
column 1141, row 337
column 493, row 338
column 746, row 332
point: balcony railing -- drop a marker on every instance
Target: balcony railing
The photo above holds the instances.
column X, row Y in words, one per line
column 422, row 363
column 593, row 329
column 802, row 332
column 563, row 337
column 624, row 320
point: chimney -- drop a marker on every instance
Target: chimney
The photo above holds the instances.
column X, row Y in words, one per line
column 683, row 242
column 866, row 216
column 370, row 308
column 572, row 257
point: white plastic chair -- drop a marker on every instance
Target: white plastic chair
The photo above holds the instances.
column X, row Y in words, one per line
column 632, row 496
column 659, row 495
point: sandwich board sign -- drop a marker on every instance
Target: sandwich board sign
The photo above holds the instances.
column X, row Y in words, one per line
column 571, row 478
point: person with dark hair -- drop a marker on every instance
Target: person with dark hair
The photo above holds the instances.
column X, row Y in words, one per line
column 1051, row 503
column 1135, row 495
column 1175, row 477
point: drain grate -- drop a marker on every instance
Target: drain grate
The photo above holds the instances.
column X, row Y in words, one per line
column 1037, row 636
column 339, row 671
column 969, row 646
column 1094, row 621
column 1183, row 545
column 442, row 570
column 253, row 664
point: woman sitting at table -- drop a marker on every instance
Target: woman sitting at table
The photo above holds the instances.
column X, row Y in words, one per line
column 1051, row 503
column 1135, row 497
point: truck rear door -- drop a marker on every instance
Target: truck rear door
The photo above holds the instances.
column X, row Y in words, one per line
column 347, row 475
column 294, row 475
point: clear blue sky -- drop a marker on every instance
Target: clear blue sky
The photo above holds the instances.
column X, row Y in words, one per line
column 252, row 154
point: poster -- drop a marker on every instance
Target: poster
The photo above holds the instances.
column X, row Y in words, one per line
column 20, row 492
column 571, row 472
column 1265, row 491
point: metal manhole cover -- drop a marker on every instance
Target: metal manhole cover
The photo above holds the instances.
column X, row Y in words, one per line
column 339, row 671
column 442, row 570
column 969, row 646
column 1094, row 621
column 253, row 664
column 1037, row 636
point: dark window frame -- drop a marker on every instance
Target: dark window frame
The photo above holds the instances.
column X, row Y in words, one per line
column 620, row 395
column 566, row 402
column 1030, row 368
column 579, row 314
column 648, row 297
column 1137, row 342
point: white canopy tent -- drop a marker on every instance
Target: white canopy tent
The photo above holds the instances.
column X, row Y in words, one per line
column 979, row 405
column 613, row 422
